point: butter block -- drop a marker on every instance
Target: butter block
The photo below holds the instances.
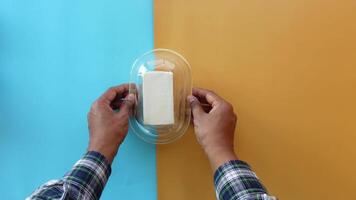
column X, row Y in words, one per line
column 157, row 95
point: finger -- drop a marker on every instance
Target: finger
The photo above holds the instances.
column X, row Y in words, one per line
column 132, row 87
column 116, row 103
column 126, row 105
column 197, row 110
column 204, row 104
column 112, row 92
column 206, row 107
column 210, row 97
column 202, row 100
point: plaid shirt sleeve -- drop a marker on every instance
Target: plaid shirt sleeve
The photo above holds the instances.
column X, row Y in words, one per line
column 86, row 180
column 235, row 180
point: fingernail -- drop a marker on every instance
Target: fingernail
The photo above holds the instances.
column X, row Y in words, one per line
column 191, row 98
column 130, row 97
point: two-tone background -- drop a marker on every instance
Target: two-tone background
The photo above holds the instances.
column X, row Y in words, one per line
column 288, row 67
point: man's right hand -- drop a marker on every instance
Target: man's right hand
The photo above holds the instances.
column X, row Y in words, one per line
column 214, row 127
column 108, row 121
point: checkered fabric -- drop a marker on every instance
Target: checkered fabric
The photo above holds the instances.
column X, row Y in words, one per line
column 235, row 180
column 85, row 181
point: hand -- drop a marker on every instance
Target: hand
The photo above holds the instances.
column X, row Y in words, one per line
column 108, row 121
column 214, row 127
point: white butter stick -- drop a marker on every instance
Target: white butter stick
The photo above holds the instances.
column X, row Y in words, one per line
column 158, row 106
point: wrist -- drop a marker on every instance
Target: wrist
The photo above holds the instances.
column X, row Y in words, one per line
column 218, row 149
column 219, row 156
column 108, row 153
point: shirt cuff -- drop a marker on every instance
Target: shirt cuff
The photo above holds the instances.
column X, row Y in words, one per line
column 89, row 175
column 236, row 180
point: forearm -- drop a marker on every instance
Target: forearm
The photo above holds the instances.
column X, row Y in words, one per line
column 86, row 180
column 235, row 180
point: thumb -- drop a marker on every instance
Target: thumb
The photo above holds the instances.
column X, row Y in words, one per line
column 197, row 110
column 127, row 104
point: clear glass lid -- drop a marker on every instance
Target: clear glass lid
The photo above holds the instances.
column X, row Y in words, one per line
column 161, row 81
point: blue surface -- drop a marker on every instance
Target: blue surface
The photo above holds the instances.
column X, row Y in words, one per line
column 56, row 58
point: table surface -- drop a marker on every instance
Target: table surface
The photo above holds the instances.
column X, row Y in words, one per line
column 56, row 58
column 288, row 67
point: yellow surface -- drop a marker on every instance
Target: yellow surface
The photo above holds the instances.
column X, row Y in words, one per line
column 289, row 68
